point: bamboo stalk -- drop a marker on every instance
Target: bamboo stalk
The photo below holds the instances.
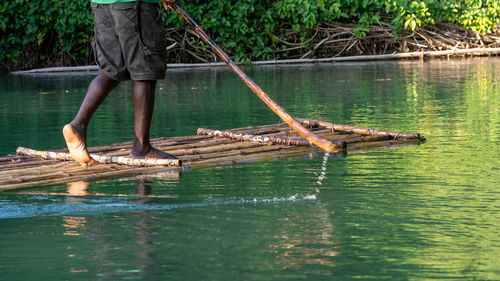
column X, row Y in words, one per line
column 285, row 151
column 9, row 180
column 253, row 138
column 103, row 159
column 166, row 141
column 56, row 171
column 324, row 144
column 270, row 139
column 39, row 168
column 9, row 158
column 25, row 164
column 91, row 177
column 262, row 131
column 52, row 175
column 250, row 150
column 213, row 149
column 386, row 143
column 172, row 149
column 39, row 176
column 355, row 138
column 357, row 130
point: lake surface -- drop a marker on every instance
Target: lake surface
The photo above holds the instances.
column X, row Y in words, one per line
column 424, row 212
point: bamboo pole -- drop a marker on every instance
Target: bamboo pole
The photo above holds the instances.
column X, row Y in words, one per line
column 171, row 149
column 89, row 177
column 64, row 171
column 270, row 139
column 231, row 159
column 322, row 143
column 25, row 164
column 214, row 149
column 357, row 130
column 103, row 159
column 355, row 138
column 39, row 168
column 382, row 143
column 165, row 141
column 253, row 138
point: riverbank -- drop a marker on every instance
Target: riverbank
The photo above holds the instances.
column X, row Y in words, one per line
column 251, row 30
column 398, row 56
column 339, row 40
column 326, row 43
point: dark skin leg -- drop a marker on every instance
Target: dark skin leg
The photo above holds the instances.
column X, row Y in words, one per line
column 75, row 133
column 143, row 96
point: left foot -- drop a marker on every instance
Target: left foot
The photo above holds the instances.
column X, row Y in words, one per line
column 77, row 146
column 152, row 153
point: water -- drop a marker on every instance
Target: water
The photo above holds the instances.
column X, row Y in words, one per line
column 423, row 212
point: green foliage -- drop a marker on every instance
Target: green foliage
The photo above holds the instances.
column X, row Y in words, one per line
column 41, row 30
column 482, row 16
column 55, row 30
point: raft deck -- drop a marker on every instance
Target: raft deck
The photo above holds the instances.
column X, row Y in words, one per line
column 207, row 148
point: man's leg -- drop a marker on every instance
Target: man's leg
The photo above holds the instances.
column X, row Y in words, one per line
column 144, row 98
column 75, row 133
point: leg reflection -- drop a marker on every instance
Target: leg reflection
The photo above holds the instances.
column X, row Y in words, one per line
column 78, row 188
column 142, row 186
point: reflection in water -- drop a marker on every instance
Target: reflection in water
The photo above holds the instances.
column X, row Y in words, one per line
column 78, row 188
column 73, row 224
column 305, row 243
column 142, row 187
column 292, row 242
column 80, row 226
column 294, row 249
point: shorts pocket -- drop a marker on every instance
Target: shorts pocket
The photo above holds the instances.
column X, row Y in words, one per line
column 94, row 50
column 155, row 58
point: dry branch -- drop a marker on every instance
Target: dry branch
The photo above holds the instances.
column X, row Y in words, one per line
column 103, row 159
column 329, row 40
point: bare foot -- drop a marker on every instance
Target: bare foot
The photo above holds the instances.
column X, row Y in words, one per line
column 77, row 146
column 153, row 153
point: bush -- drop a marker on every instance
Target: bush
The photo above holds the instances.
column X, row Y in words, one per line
column 58, row 32
column 52, row 30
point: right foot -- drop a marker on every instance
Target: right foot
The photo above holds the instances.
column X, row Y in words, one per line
column 76, row 145
column 152, row 153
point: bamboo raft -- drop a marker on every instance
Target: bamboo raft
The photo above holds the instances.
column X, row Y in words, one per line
column 32, row 168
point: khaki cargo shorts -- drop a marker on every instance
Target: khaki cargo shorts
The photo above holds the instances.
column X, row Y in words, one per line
column 120, row 51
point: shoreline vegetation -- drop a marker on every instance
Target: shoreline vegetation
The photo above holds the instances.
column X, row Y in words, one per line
column 477, row 52
column 263, row 32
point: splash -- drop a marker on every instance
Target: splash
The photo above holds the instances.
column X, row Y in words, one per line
column 322, row 175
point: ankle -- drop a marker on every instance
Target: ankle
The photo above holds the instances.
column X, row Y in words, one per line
column 139, row 148
column 82, row 127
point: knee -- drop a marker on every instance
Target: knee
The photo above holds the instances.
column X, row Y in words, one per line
column 145, row 84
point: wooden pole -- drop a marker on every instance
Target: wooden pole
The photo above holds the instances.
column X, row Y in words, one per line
column 357, row 130
column 262, row 139
column 253, row 138
column 322, row 143
column 103, row 159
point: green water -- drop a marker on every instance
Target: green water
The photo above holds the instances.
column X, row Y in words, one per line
column 423, row 212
